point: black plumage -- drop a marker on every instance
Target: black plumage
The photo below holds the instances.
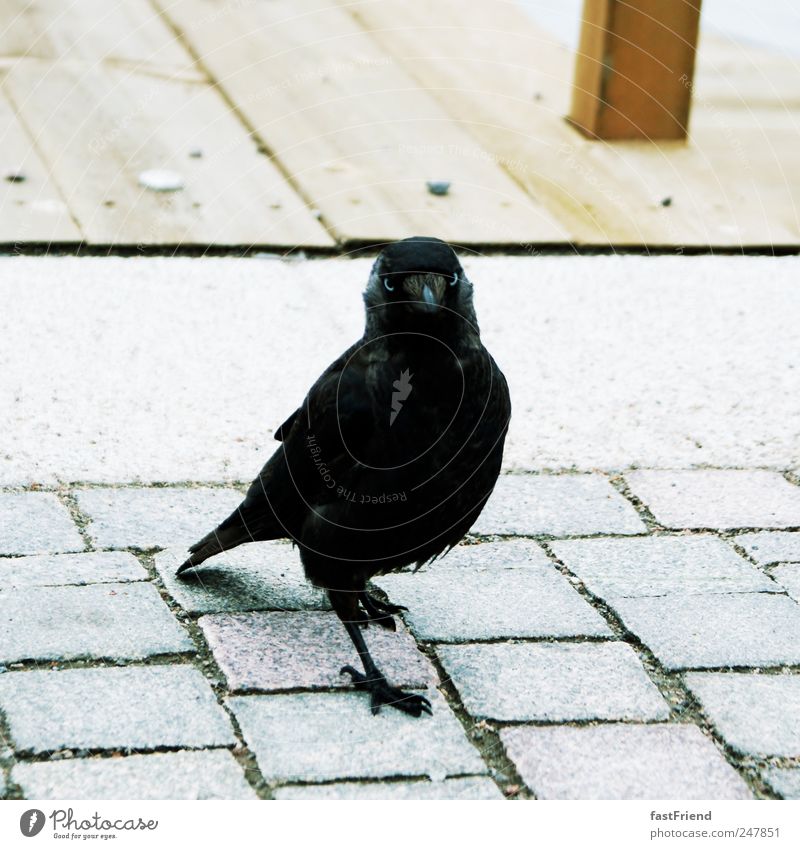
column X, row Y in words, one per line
column 393, row 453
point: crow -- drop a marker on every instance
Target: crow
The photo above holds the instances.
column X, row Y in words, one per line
column 393, row 453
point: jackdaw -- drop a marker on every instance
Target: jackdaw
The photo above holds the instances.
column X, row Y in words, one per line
column 393, row 453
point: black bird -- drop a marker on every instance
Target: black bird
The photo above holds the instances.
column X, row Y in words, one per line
column 393, row 453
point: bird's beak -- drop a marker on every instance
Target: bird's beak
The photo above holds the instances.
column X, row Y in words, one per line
column 428, row 301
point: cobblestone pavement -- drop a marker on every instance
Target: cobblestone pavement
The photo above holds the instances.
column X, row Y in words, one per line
column 601, row 635
column 611, row 629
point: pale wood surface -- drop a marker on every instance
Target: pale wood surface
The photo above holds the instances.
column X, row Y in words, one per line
column 133, row 123
column 321, row 120
column 31, row 210
column 354, row 129
column 123, row 32
column 107, row 92
column 513, row 102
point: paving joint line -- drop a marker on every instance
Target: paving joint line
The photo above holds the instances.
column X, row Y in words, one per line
column 481, row 734
column 643, row 511
column 682, row 703
column 209, row 668
column 79, row 518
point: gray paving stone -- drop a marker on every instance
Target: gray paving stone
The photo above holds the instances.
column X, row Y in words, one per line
column 306, row 650
column 706, row 631
column 114, row 621
column 788, row 576
column 112, row 708
column 718, row 498
column 212, row 774
column 53, row 570
column 784, row 781
column 558, row 505
column 652, row 566
column 256, row 576
column 484, row 555
column 456, row 603
column 321, row 736
column 36, row 523
column 622, row 762
column 767, row 547
column 552, row 681
column 157, row 517
column 472, row 789
column 756, row 714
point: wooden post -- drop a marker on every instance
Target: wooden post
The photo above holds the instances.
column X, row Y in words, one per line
column 634, row 69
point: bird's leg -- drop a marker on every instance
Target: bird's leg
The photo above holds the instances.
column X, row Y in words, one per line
column 379, row 611
column 345, row 603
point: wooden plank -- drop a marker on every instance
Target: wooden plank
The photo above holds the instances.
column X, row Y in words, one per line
column 125, row 32
column 353, row 127
column 634, row 68
column 509, row 84
column 733, row 75
column 100, row 127
column 31, row 208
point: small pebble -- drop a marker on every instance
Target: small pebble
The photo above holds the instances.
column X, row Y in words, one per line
column 438, row 187
column 161, row 180
column 666, row 201
column 16, row 177
column 196, row 153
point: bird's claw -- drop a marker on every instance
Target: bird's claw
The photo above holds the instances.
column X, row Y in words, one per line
column 385, row 621
column 383, row 693
column 380, row 612
column 387, row 606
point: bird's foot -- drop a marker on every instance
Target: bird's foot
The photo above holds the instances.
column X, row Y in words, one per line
column 386, row 606
column 380, row 612
column 383, row 693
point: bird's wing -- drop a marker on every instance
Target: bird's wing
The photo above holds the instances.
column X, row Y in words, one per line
column 336, row 412
column 335, row 417
column 283, row 431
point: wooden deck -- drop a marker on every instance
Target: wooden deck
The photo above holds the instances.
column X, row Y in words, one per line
column 316, row 124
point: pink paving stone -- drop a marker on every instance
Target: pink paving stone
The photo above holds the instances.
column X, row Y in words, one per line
column 305, row 650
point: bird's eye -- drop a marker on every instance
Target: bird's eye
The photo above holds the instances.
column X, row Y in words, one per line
column 454, row 280
column 386, row 285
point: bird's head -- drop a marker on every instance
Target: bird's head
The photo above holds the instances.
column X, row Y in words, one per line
column 418, row 283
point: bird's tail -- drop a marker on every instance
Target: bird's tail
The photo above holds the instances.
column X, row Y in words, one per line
column 207, row 547
column 232, row 532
